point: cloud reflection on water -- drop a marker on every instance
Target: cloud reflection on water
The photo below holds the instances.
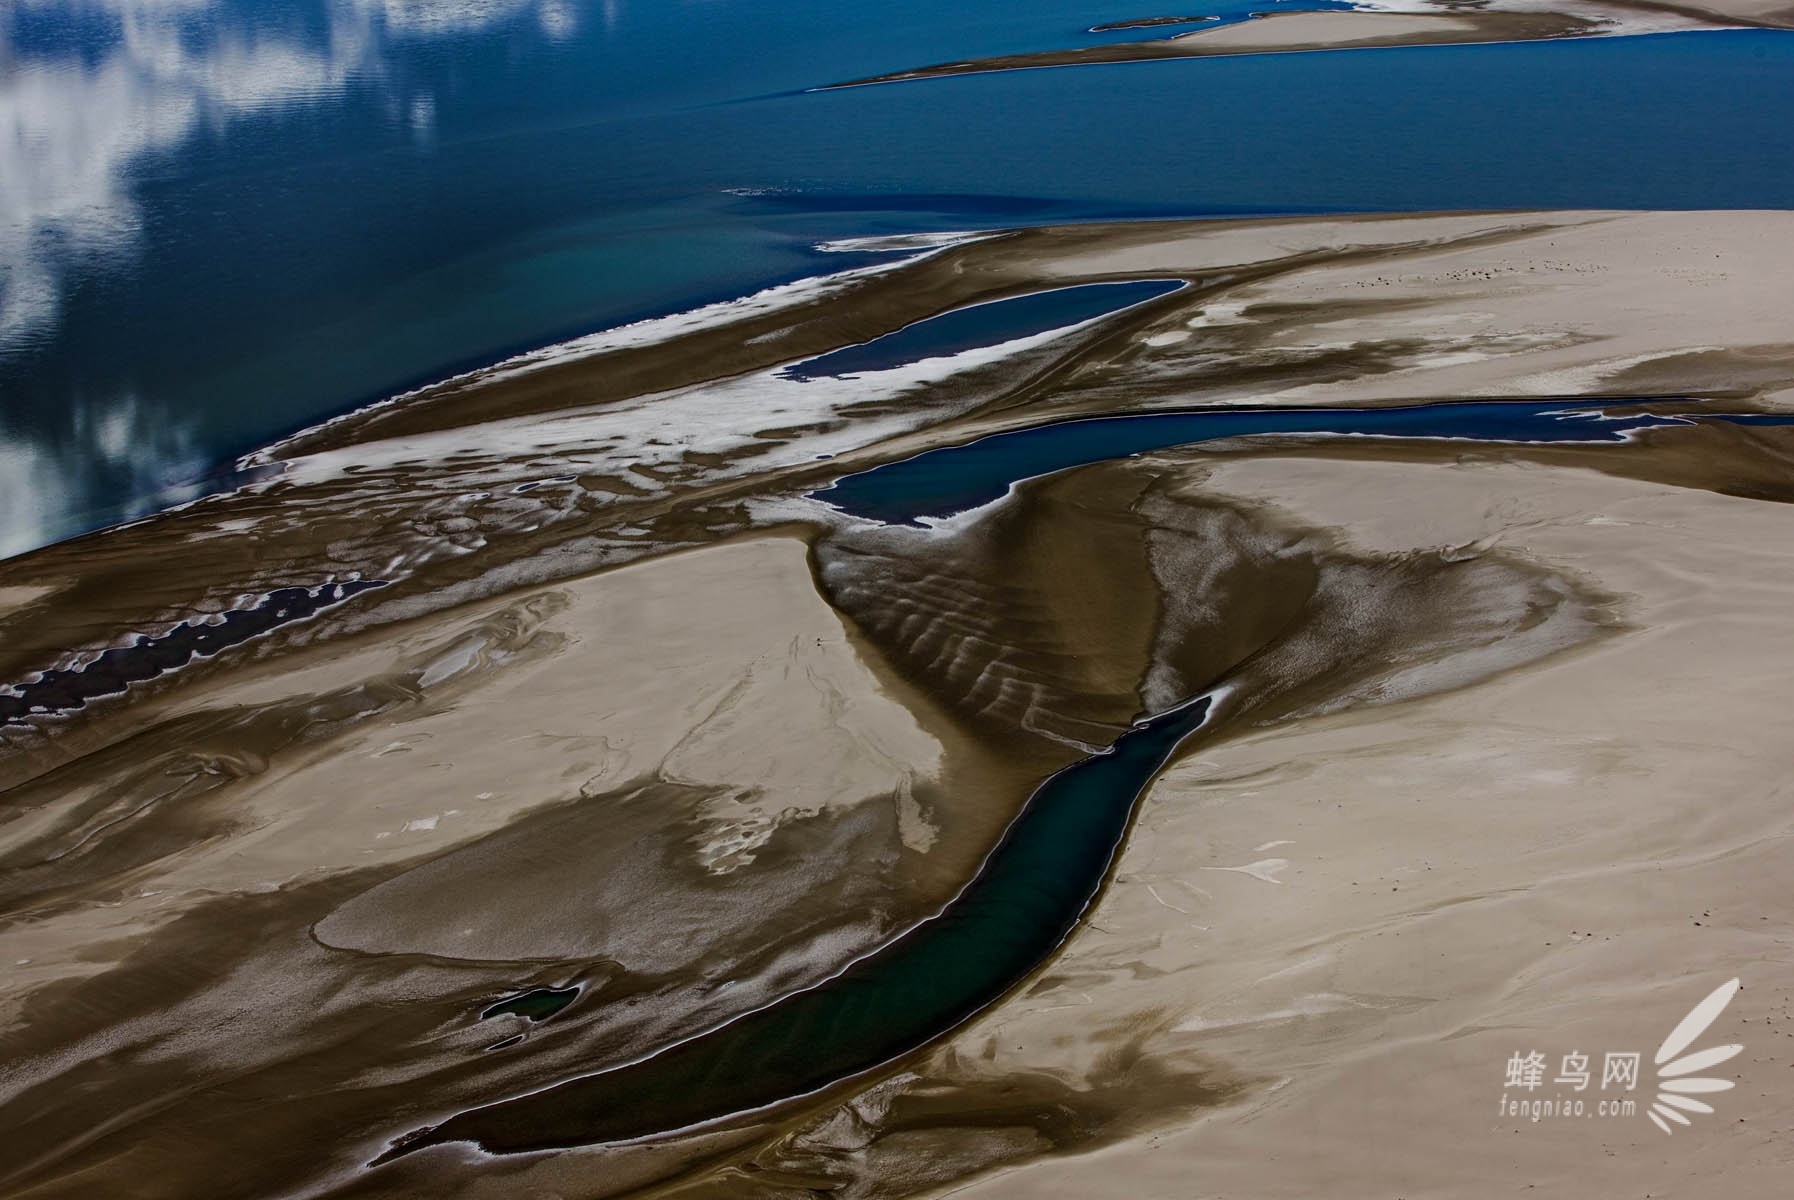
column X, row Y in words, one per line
column 91, row 93
column 74, row 126
column 48, row 484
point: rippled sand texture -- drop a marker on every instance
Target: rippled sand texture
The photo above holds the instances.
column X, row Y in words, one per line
column 631, row 726
column 1373, row 910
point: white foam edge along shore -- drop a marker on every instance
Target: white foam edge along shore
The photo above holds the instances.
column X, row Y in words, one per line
column 653, row 330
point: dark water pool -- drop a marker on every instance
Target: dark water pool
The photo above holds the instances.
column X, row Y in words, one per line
column 537, row 1004
column 112, row 671
column 979, row 325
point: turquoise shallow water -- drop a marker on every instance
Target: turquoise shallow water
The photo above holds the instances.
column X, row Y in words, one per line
column 239, row 218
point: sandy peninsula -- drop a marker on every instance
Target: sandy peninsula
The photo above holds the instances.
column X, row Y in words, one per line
column 1291, row 31
column 1372, row 24
column 1281, row 33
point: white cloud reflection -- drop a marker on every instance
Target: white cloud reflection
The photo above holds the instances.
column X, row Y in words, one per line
column 119, row 446
column 73, row 128
column 135, row 79
column 557, row 17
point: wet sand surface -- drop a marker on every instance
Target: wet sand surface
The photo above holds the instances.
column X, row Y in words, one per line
column 632, row 719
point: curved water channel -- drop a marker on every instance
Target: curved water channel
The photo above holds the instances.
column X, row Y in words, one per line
column 1036, row 884
column 1023, row 901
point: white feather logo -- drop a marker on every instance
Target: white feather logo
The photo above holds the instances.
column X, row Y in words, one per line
column 1675, row 1097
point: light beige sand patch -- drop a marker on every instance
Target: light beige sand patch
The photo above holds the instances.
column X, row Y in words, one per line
column 1292, row 31
column 718, row 668
column 23, row 596
column 1565, row 859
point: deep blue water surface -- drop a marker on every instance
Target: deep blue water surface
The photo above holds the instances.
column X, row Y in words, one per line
column 944, row 482
column 223, row 221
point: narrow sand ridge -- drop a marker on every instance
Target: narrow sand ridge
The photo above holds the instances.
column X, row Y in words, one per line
column 1380, row 23
column 1290, row 31
column 1278, row 33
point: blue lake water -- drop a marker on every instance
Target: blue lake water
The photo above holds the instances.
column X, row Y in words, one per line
column 221, row 222
column 950, row 480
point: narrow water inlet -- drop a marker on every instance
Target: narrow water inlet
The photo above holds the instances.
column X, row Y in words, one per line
column 943, row 482
column 1021, row 904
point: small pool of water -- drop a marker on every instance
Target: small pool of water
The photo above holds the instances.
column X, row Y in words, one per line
column 978, row 326
column 538, row 1004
